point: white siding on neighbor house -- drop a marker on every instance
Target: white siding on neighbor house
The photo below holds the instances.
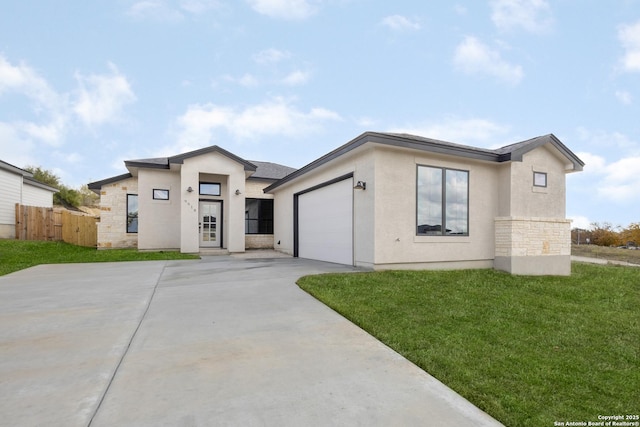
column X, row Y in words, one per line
column 10, row 189
column 35, row 196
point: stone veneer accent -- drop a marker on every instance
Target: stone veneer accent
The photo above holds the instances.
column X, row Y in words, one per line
column 258, row 241
column 533, row 245
column 112, row 228
column 518, row 236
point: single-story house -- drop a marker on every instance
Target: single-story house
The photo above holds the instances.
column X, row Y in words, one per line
column 381, row 201
column 18, row 186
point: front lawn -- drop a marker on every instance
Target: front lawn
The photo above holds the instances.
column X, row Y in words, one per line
column 20, row 254
column 527, row 350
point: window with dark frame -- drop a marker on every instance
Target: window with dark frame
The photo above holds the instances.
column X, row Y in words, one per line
column 442, row 202
column 258, row 216
column 209, row 189
column 160, row 194
column 132, row 213
column 539, row 179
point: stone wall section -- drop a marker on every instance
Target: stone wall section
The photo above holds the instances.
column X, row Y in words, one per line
column 258, row 241
column 521, row 236
column 112, row 228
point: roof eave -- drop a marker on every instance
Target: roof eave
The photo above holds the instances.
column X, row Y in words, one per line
column 424, row 144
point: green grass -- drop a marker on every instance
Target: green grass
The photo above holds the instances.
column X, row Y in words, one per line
column 527, row 350
column 19, row 254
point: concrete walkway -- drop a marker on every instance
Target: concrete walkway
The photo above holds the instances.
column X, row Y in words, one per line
column 601, row 261
column 222, row 341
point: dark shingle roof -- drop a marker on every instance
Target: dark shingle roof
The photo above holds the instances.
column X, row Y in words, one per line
column 268, row 170
column 512, row 152
column 261, row 170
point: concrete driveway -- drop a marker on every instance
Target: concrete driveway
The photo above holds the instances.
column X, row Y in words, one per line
column 222, row 341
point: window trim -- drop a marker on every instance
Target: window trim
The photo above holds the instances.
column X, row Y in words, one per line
column 161, row 191
column 209, row 183
column 127, row 223
column 443, row 231
column 539, row 175
column 246, row 232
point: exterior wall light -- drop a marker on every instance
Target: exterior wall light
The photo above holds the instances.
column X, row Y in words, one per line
column 360, row 185
column 189, row 190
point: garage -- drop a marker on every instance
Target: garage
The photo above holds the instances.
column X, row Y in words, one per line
column 324, row 221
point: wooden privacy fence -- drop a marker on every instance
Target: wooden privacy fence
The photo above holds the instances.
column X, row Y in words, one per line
column 36, row 223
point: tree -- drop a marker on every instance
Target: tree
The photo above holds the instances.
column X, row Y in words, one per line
column 604, row 234
column 631, row 234
column 65, row 196
column 44, row 176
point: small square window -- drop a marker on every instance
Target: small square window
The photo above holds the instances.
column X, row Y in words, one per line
column 160, row 194
column 209, row 189
column 539, row 179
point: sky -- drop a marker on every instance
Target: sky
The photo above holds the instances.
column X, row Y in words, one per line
column 85, row 85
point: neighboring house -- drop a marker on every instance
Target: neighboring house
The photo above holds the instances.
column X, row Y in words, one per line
column 381, row 201
column 18, row 186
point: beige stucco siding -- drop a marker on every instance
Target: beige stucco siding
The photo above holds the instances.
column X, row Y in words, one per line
column 158, row 220
column 360, row 162
column 212, row 167
column 528, row 200
column 112, row 227
column 395, row 225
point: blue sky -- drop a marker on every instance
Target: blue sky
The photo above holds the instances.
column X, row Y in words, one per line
column 86, row 85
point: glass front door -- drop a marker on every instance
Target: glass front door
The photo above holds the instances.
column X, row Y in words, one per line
column 210, row 224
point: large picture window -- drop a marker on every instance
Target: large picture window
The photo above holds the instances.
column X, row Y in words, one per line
column 132, row 213
column 258, row 216
column 442, row 202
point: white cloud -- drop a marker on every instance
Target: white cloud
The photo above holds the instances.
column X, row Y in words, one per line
column 246, row 80
column 593, row 162
column 624, row 97
column 629, row 36
column 284, row 9
column 621, row 181
column 296, row 78
column 199, row 125
column 580, row 221
column 400, row 23
column 533, row 16
column 101, row 98
column 270, row 56
column 158, row 10
column 477, row 132
column 170, row 11
column 474, row 57
column 23, row 79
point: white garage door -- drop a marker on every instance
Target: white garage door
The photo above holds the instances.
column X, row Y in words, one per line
column 325, row 223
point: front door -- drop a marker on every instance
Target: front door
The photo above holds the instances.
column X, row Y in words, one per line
column 210, row 224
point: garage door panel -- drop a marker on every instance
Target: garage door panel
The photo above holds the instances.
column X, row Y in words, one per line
column 325, row 223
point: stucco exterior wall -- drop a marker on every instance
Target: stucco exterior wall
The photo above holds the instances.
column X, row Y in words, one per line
column 360, row 162
column 528, row 200
column 158, row 220
column 532, row 235
column 212, row 167
column 112, row 227
column 397, row 242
